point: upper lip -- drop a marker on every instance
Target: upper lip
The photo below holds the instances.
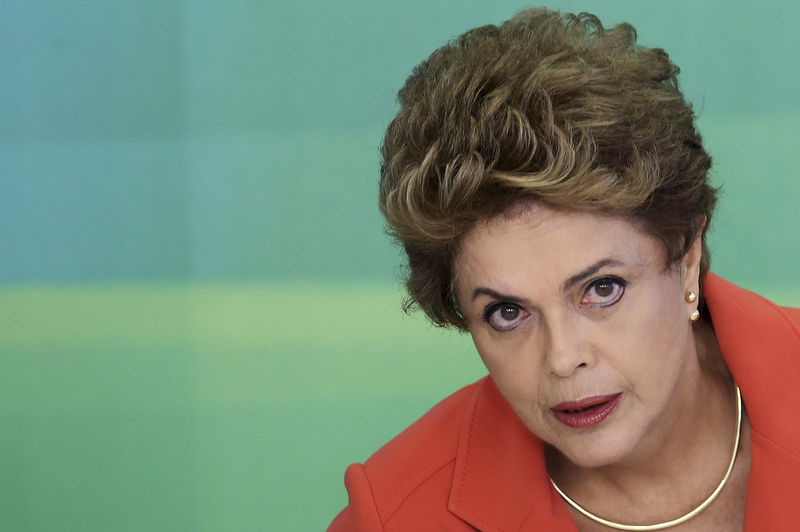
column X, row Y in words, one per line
column 585, row 402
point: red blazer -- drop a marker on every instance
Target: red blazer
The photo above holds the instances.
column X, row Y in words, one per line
column 469, row 463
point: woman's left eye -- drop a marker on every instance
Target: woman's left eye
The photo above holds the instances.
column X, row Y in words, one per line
column 603, row 292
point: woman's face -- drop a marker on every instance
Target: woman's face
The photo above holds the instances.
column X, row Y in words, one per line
column 583, row 328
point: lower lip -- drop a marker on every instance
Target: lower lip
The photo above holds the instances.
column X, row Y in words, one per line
column 590, row 417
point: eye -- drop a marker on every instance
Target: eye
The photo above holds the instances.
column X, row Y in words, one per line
column 505, row 316
column 603, row 292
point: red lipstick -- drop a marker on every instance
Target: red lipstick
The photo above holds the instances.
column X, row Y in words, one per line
column 586, row 412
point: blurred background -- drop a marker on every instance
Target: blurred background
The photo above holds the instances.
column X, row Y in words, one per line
column 200, row 326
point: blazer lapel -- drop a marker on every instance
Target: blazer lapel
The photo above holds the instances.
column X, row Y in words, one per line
column 500, row 482
column 761, row 345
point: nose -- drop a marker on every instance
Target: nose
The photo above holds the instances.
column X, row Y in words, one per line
column 566, row 349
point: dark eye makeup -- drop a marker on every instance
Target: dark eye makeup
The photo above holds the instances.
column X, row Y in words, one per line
column 603, row 292
column 600, row 293
column 504, row 316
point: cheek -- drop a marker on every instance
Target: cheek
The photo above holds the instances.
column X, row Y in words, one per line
column 513, row 365
column 651, row 333
column 492, row 356
column 665, row 315
column 504, row 353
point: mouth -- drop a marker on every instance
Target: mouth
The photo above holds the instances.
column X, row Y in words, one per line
column 587, row 412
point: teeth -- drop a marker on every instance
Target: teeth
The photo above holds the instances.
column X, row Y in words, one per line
column 583, row 409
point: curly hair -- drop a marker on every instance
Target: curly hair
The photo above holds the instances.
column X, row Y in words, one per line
column 546, row 107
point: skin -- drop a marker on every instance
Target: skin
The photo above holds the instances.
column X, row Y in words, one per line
column 563, row 306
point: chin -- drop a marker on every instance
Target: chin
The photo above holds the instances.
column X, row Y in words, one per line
column 603, row 448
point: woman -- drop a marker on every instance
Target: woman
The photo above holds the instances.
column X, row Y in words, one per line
column 550, row 190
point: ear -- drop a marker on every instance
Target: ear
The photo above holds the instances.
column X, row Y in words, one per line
column 691, row 261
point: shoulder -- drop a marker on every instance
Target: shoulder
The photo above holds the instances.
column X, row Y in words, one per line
column 411, row 472
column 739, row 304
column 420, row 451
column 745, row 322
column 792, row 315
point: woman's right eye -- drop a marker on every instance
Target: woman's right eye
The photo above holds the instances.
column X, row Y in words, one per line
column 505, row 316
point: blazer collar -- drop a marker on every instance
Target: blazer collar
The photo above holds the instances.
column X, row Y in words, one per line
column 761, row 345
column 500, row 478
column 500, row 481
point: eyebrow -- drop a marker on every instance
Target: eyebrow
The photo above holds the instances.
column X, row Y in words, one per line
column 569, row 283
column 480, row 291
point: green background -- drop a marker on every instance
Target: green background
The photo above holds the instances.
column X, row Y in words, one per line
column 199, row 318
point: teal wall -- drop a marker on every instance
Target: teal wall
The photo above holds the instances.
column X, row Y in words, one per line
column 169, row 140
column 200, row 327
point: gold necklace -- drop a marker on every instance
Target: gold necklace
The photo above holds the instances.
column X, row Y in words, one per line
column 683, row 518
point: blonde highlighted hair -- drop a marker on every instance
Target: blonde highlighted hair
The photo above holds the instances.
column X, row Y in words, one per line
column 546, row 107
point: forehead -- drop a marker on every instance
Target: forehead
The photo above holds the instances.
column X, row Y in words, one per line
column 550, row 244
